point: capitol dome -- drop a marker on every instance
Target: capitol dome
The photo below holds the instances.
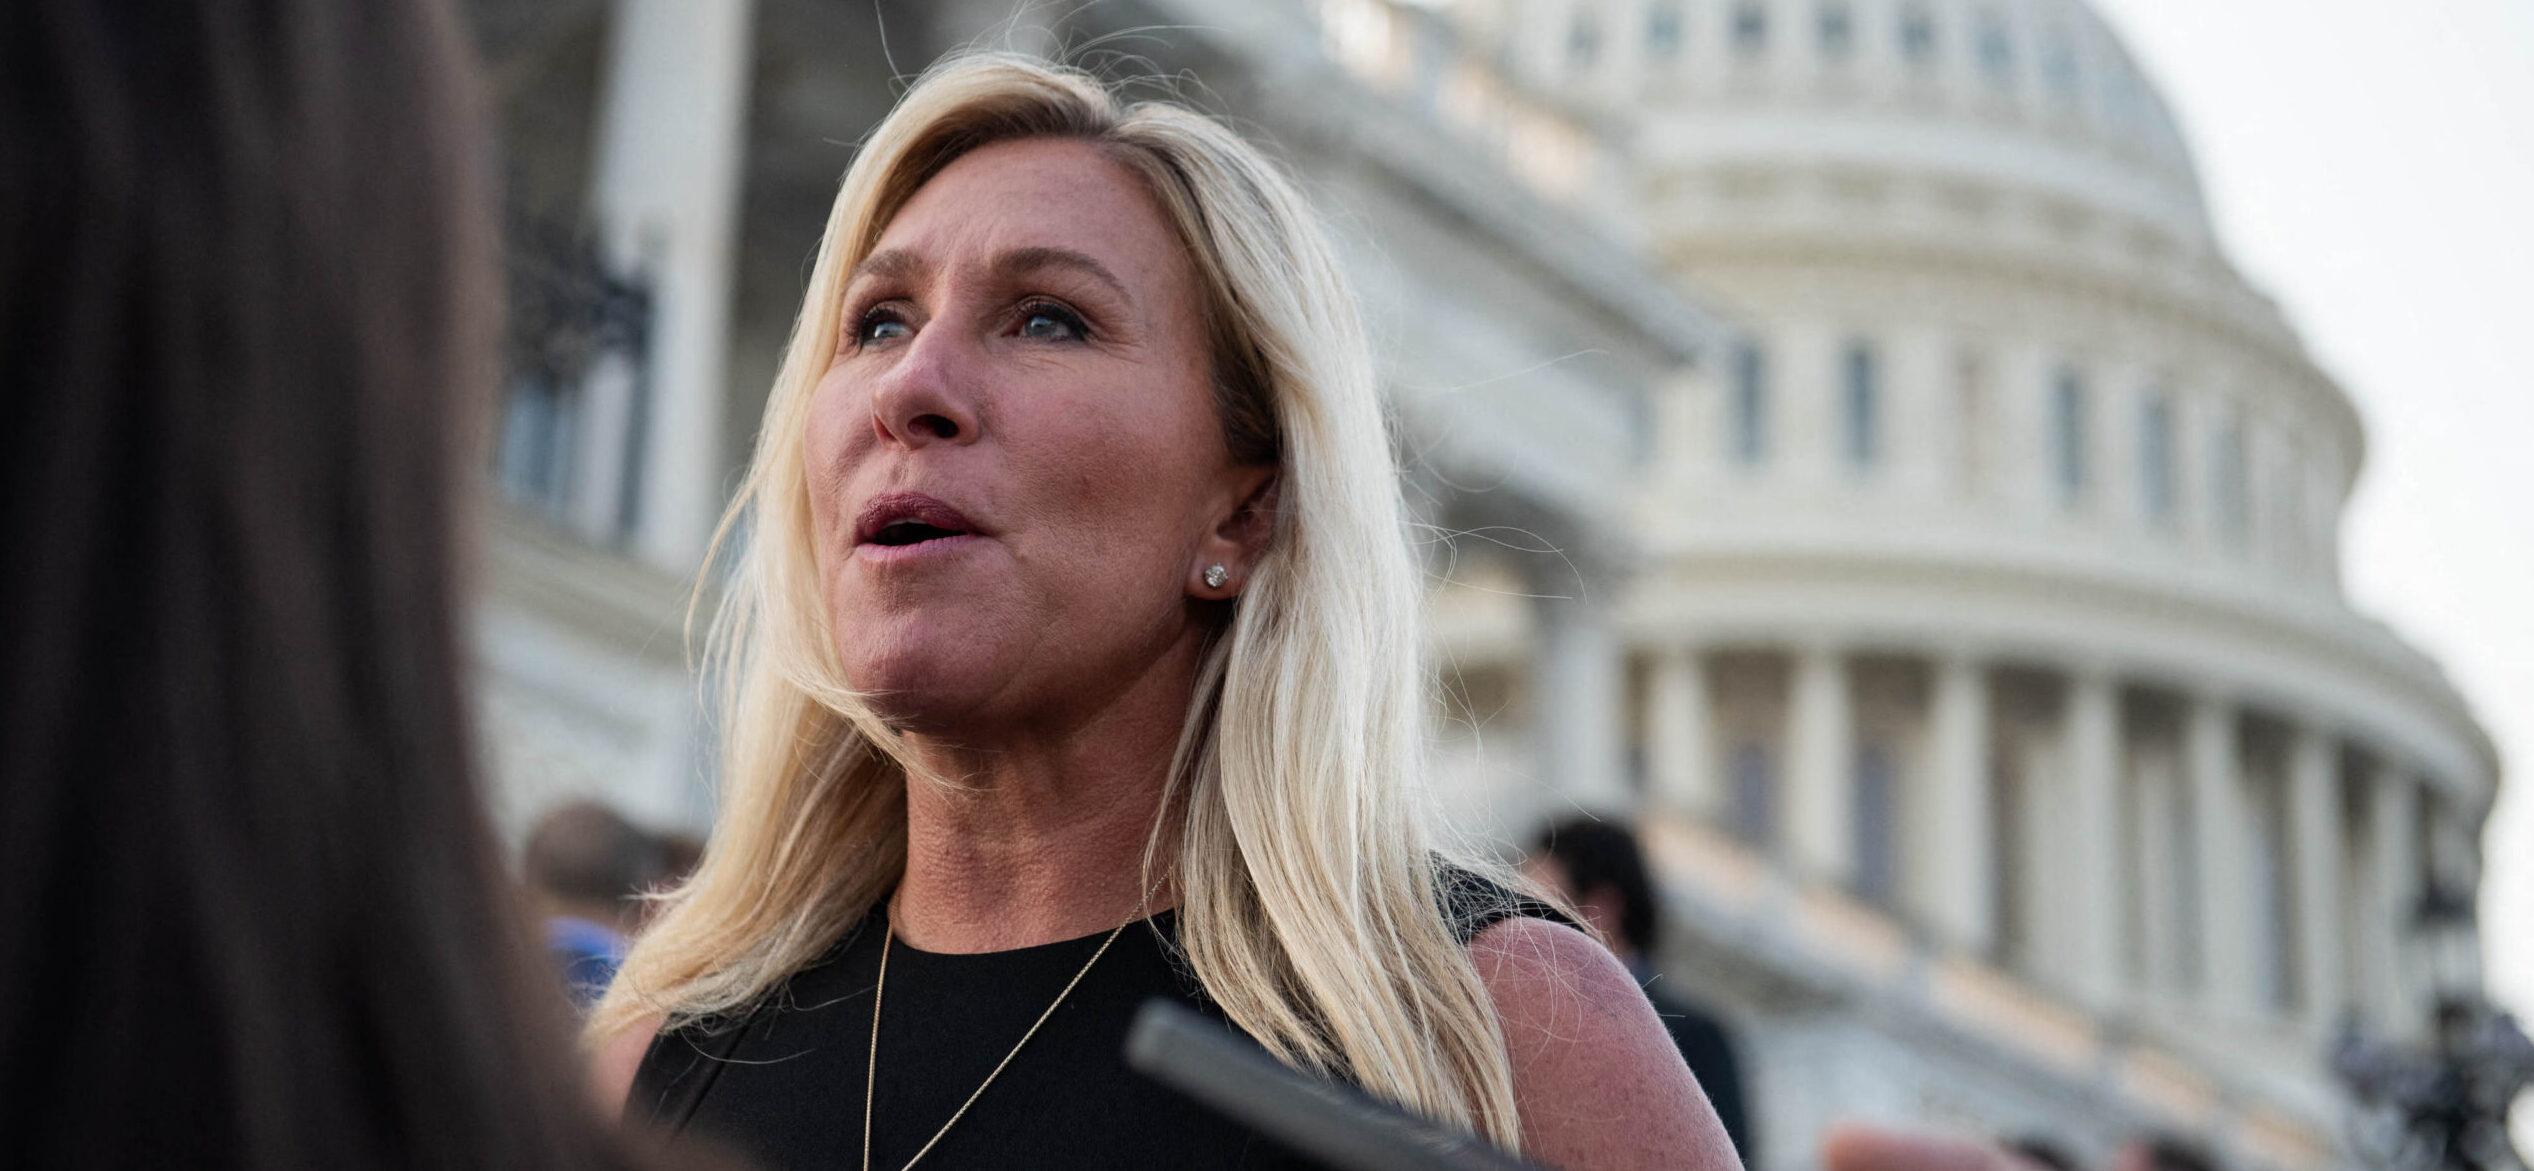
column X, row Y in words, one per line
column 1991, row 578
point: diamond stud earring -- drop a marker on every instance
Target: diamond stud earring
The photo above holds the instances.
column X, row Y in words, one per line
column 1215, row 576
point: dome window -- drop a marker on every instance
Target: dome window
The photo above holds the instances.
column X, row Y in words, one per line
column 1750, row 405
column 2058, row 67
column 1997, row 50
column 1918, row 35
column 2068, row 438
column 1861, row 382
column 1750, row 28
column 2155, row 458
column 1663, row 31
column 2226, row 477
column 1583, row 39
column 1837, row 30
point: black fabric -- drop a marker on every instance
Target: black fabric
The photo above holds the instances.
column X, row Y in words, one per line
column 783, row 1088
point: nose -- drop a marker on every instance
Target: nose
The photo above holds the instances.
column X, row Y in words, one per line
column 929, row 395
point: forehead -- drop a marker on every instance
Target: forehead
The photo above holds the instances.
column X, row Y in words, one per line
column 1040, row 193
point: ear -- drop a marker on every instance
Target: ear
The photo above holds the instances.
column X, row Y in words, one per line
column 1239, row 536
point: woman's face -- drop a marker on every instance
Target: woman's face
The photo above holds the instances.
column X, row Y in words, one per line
column 1017, row 474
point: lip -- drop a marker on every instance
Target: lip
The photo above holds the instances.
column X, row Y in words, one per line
column 890, row 508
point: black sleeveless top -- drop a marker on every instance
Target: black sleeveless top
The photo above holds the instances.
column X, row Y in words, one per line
column 783, row 1086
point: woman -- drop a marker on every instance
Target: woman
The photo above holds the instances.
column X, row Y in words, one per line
column 250, row 914
column 1075, row 659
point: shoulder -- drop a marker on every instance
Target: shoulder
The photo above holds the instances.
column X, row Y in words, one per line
column 612, row 1069
column 1596, row 1076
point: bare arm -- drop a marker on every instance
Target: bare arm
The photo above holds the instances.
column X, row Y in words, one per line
column 1595, row 1074
column 612, row 1070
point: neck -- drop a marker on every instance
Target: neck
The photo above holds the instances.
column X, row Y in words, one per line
column 1039, row 835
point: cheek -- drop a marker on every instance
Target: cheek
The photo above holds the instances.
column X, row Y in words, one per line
column 837, row 430
column 1131, row 482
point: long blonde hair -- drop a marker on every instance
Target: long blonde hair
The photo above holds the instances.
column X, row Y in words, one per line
column 1307, row 862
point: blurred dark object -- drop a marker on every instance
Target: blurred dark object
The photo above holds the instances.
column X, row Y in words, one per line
column 2042, row 1152
column 1341, row 1127
column 250, row 905
column 2168, row 1153
column 2442, row 1106
column 1598, row 866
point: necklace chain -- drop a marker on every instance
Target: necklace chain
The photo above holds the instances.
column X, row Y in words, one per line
column 871, row 1070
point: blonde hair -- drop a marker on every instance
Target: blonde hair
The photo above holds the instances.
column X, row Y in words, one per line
column 1310, row 907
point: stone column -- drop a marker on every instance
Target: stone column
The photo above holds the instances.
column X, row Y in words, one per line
column 1680, row 753
column 2227, row 924
column 2090, row 838
column 1961, row 839
column 1576, row 711
column 2393, row 816
column 671, row 138
column 1821, row 753
column 2314, row 830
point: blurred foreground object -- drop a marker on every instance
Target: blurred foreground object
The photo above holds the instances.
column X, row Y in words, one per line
column 1337, row 1125
column 250, row 909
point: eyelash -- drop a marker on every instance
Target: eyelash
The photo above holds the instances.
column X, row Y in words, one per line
column 886, row 312
column 1041, row 307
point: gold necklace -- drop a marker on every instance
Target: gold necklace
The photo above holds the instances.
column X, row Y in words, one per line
column 871, row 1071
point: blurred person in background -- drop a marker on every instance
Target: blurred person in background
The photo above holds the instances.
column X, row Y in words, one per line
column 250, row 910
column 1076, row 662
column 1599, row 869
column 587, row 869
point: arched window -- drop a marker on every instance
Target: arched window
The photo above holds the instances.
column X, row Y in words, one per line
column 1861, row 399
column 1750, row 434
column 2067, row 434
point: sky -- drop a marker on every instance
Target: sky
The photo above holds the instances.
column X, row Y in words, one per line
column 2371, row 165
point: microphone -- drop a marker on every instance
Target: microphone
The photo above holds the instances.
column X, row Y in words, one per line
column 1340, row 1126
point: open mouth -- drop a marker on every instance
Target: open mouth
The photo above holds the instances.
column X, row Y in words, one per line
column 897, row 534
column 908, row 520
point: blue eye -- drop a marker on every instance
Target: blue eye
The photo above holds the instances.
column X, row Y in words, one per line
column 881, row 324
column 1049, row 322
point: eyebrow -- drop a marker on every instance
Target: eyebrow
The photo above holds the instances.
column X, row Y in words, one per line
column 899, row 264
column 1021, row 260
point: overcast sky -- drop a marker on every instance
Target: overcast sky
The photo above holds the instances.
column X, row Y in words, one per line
column 2372, row 166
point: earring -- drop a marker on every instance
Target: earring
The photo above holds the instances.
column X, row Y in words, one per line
column 1215, row 576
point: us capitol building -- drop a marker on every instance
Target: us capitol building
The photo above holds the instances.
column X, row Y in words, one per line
column 1848, row 450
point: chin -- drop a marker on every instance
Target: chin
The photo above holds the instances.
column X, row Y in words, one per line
column 928, row 682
